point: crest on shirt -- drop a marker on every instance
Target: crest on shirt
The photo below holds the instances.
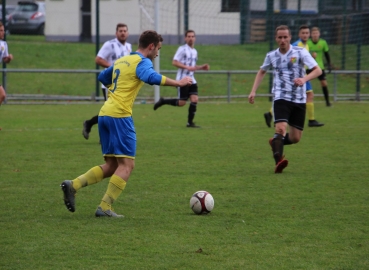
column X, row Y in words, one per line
column 293, row 60
column 2, row 48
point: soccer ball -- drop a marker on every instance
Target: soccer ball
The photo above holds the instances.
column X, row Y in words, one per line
column 202, row 202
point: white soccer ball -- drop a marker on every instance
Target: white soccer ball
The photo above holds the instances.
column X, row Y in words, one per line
column 202, row 202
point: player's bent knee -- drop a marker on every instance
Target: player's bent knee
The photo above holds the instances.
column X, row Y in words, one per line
column 295, row 140
column 194, row 99
column 280, row 127
column 129, row 164
column 108, row 170
column 280, row 130
column 295, row 135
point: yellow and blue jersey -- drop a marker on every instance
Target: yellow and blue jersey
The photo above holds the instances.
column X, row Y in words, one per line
column 126, row 78
column 300, row 44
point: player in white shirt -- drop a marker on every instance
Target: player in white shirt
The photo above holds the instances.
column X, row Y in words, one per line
column 289, row 91
column 185, row 60
column 109, row 52
column 4, row 57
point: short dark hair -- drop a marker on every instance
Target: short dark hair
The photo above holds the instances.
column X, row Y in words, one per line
column 304, row 26
column 148, row 37
column 190, row 31
column 282, row 27
column 119, row 25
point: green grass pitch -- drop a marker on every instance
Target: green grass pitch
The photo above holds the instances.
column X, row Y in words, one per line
column 313, row 216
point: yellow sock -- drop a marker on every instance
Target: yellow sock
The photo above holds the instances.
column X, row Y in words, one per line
column 271, row 110
column 310, row 110
column 115, row 188
column 91, row 177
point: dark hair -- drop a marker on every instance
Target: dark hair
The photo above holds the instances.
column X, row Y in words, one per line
column 189, row 31
column 148, row 37
column 119, row 25
column 304, row 26
column 282, row 27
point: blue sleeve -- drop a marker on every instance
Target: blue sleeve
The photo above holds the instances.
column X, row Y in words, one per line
column 295, row 43
column 146, row 73
column 106, row 76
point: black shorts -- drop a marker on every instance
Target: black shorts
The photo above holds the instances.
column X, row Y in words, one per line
column 290, row 112
column 322, row 76
column 185, row 92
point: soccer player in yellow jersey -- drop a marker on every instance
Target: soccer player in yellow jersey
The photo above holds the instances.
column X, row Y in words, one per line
column 304, row 34
column 116, row 128
column 109, row 52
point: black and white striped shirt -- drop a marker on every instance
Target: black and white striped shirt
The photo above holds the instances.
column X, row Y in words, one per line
column 112, row 50
column 187, row 56
column 3, row 50
column 287, row 67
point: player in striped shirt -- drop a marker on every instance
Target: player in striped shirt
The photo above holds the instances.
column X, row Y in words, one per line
column 185, row 60
column 289, row 91
column 304, row 34
column 109, row 52
column 4, row 57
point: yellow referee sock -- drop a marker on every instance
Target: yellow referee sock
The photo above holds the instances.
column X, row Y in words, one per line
column 115, row 188
column 91, row 177
column 310, row 110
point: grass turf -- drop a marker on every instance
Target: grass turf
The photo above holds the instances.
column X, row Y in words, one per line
column 313, row 216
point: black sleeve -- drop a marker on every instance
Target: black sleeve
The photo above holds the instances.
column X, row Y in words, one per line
column 327, row 57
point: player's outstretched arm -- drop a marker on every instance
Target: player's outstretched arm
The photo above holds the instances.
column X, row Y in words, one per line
column 181, row 83
column 203, row 67
column 146, row 73
column 259, row 77
column 182, row 66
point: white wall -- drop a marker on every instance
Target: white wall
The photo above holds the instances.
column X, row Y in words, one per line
column 206, row 18
column 62, row 17
column 305, row 5
column 113, row 12
column 291, row 4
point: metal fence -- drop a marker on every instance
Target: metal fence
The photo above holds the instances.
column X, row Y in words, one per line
column 49, row 99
